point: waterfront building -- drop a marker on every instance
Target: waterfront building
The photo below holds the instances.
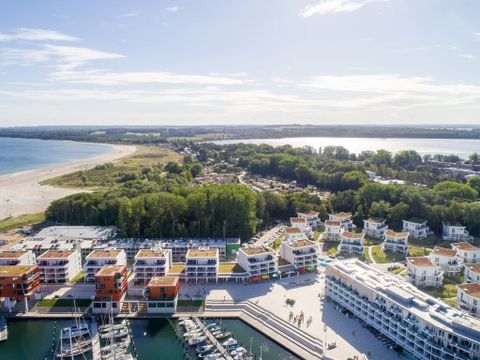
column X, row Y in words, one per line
column 375, row 227
column 18, row 282
column 302, row 254
column 417, row 228
column 258, row 261
column 311, row 217
column 59, row 266
column 162, row 294
column 395, row 242
column 422, row 272
column 351, row 243
column 333, row 229
column 294, row 233
column 423, row 326
column 344, row 218
column 468, row 298
column 468, row 253
column 471, row 273
column 202, row 265
column 17, row 257
column 454, row 231
column 447, row 260
column 302, row 224
column 111, row 284
column 98, row 258
column 150, row 263
column 97, row 233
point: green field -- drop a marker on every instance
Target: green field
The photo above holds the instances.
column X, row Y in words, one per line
column 19, row 221
column 106, row 175
column 382, row 257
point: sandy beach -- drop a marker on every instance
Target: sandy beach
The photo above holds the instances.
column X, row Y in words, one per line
column 21, row 193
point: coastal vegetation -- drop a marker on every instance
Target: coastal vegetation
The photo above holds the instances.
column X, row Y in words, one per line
column 20, row 221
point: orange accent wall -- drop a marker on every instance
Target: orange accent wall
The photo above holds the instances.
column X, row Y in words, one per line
column 161, row 292
column 111, row 287
column 20, row 286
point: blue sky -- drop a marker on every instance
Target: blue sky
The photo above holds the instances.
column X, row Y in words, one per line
column 239, row 62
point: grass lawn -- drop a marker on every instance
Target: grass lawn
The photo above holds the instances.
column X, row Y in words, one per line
column 64, row 302
column 316, row 235
column 276, row 244
column 104, row 176
column 448, row 291
column 382, row 257
column 21, row 220
column 78, row 278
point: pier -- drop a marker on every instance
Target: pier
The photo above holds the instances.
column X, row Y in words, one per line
column 212, row 338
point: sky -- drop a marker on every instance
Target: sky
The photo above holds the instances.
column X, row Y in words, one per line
column 230, row 62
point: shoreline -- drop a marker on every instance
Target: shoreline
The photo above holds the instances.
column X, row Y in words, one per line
column 21, row 193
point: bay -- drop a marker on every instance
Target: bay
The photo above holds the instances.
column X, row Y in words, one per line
column 27, row 154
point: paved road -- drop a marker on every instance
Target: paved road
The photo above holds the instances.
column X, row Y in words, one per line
column 265, row 237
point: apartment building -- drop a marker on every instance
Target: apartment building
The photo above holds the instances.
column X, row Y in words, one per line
column 111, row 284
column 39, row 246
column 344, row 218
column 454, row 231
column 333, row 229
column 302, row 224
column 294, row 233
column 468, row 298
column 447, row 260
column 471, row 273
column 258, row 261
column 162, row 294
column 395, row 242
column 18, row 282
column 422, row 272
column 202, row 265
column 97, row 233
column 375, row 227
column 302, row 254
column 59, row 266
column 312, row 218
column 351, row 243
column 417, row 228
column 150, row 263
column 17, row 257
column 468, row 253
column 98, row 258
column 423, row 326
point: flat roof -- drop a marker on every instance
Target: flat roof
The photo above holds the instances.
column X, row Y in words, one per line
column 51, row 254
column 14, row 270
column 230, row 268
column 465, row 246
column 202, row 253
column 149, row 253
column 177, row 268
column 104, row 253
column 473, row 267
column 163, row 281
column 452, row 223
column 76, row 232
column 420, row 261
column 12, row 254
column 292, row 230
column 443, row 251
column 376, row 220
column 342, row 215
column 416, row 220
column 297, row 220
column 395, row 234
column 353, row 235
column 257, row 250
column 108, row 270
column 471, row 289
column 333, row 223
column 302, row 243
column 309, row 213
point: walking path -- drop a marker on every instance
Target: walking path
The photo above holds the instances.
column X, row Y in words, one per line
column 370, row 255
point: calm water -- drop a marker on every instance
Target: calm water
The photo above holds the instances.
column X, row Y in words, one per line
column 27, row 154
column 460, row 147
column 154, row 340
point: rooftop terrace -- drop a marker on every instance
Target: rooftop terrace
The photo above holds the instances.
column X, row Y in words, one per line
column 17, row 270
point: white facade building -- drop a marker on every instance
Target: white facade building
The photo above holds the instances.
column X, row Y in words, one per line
column 468, row 298
column 311, row 217
column 98, row 258
column 471, row 273
column 422, row 272
column 447, row 260
column 468, row 253
column 396, row 242
column 351, row 243
column 59, row 266
column 454, row 231
column 425, row 327
column 417, row 228
column 150, row 263
column 17, row 257
column 99, row 233
column 257, row 260
column 300, row 253
column 294, row 233
column 344, row 218
column 332, row 232
column 375, row 227
column 202, row 265
column 302, row 224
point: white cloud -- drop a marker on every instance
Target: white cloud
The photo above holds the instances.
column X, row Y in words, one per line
column 36, row 35
column 173, row 8
column 468, row 56
column 477, row 35
column 130, row 14
column 334, row 6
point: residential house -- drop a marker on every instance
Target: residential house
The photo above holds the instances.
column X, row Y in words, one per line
column 422, row 272
column 202, row 265
column 395, row 242
column 98, row 258
column 351, row 243
column 311, row 217
column 59, row 266
column 258, row 261
column 111, row 285
column 447, row 260
column 17, row 257
column 471, row 273
column 302, row 254
column 468, row 297
column 375, row 227
column 344, row 218
column 417, row 228
column 333, row 229
column 294, row 233
column 468, row 253
column 18, row 282
column 162, row 294
column 302, row 224
column 454, row 231
column 151, row 262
